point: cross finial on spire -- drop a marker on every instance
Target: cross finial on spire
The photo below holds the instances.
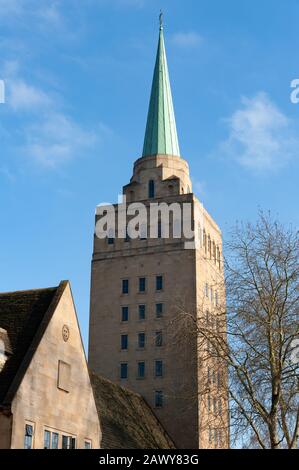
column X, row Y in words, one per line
column 161, row 19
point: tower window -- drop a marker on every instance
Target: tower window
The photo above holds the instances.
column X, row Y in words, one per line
column 141, row 340
column 141, row 312
column 159, row 339
column 151, row 189
column 205, row 240
column 142, row 284
column 159, row 282
column 159, row 229
column 158, row 399
column 158, row 368
column 124, row 313
column 124, row 341
column 159, row 310
column 141, row 369
column 125, row 286
column 124, row 370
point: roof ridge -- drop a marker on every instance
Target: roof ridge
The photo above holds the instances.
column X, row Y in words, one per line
column 30, row 290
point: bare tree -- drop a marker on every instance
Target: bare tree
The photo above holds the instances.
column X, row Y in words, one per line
column 254, row 335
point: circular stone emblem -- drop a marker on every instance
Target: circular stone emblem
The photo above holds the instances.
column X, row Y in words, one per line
column 65, row 333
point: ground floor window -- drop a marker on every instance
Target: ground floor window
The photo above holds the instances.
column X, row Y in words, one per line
column 68, row 442
column 47, row 440
column 28, row 438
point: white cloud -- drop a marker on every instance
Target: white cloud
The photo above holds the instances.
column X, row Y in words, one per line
column 22, row 96
column 261, row 137
column 49, row 136
column 187, row 39
column 56, row 139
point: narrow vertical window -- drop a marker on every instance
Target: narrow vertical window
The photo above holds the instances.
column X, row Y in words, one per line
column 158, row 399
column 141, row 370
column 124, row 370
column 28, row 436
column 65, row 442
column 124, row 313
column 141, row 340
column 47, row 440
column 151, row 189
column 158, row 368
column 159, row 282
column 159, row 229
column 159, row 310
column 124, row 341
column 55, row 439
column 205, row 240
column 87, row 445
column 141, row 312
column 142, row 284
column 159, row 339
column 125, row 286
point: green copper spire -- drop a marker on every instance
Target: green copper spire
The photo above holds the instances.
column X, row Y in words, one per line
column 161, row 134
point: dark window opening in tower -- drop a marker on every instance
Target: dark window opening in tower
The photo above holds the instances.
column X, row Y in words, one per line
column 151, row 189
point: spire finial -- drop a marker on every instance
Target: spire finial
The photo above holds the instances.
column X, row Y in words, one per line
column 161, row 19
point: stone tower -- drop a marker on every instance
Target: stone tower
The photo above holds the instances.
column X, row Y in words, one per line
column 141, row 287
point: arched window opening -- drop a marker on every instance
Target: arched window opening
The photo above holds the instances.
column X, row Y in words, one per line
column 151, row 189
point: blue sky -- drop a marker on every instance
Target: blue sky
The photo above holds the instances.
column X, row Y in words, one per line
column 78, row 76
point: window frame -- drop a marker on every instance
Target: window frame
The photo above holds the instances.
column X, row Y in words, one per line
column 125, row 290
column 141, row 334
column 159, row 282
column 124, row 318
column 159, row 399
column 124, row 366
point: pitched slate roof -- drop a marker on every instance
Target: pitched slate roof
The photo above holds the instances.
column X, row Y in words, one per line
column 25, row 316
column 126, row 420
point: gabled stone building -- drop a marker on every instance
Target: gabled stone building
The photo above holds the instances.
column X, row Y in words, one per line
column 46, row 397
column 139, row 285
